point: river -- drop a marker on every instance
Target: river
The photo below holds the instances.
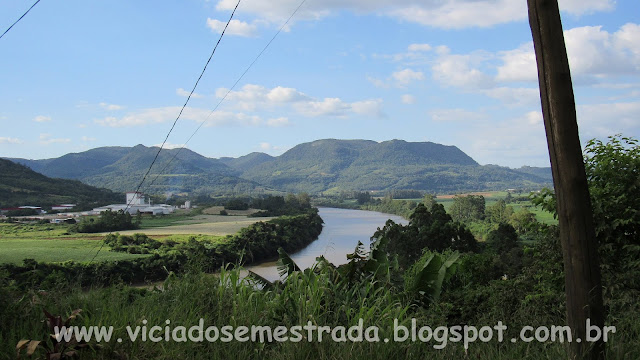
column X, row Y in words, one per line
column 342, row 230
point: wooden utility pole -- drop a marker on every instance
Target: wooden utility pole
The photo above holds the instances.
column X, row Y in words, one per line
column 577, row 234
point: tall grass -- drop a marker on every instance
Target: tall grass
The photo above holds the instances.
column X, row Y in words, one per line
column 228, row 299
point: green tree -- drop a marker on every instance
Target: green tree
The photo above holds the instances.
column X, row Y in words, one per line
column 467, row 208
column 503, row 239
column 427, row 230
column 499, row 212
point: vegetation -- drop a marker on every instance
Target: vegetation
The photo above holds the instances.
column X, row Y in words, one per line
column 257, row 242
column 397, row 168
column 450, row 280
column 20, row 186
column 107, row 221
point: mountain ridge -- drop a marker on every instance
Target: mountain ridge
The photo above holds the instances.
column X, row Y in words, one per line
column 325, row 165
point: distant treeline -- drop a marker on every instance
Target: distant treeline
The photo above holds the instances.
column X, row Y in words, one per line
column 259, row 241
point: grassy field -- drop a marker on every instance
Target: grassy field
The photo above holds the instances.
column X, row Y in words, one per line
column 53, row 243
column 491, row 197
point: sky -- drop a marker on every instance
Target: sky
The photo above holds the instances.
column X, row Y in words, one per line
column 79, row 74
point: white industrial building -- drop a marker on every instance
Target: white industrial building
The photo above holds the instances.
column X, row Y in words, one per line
column 136, row 203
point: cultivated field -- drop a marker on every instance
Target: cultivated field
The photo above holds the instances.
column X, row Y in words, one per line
column 53, row 243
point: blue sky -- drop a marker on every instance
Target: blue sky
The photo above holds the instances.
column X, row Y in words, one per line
column 77, row 75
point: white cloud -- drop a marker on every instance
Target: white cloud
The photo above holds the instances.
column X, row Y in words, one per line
column 602, row 120
column 369, row 108
column 88, row 139
column 580, row 7
column 184, row 93
column 165, row 114
column 462, row 70
column 326, row 107
column 518, row 64
column 236, row 27
column 253, row 97
column 42, row 118
column 278, row 122
column 408, row 99
column 455, row 115
column 593, row 53
column 516, row 141
column 419, row 47
column 406, row 76
column 10, row 140
column 111, row 107
column 446, row 14
column 514, row 96
column 46, row 139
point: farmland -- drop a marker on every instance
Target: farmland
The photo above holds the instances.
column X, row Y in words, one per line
column 53, row 243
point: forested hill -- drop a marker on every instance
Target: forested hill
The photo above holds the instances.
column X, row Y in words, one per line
column 314, row 167
column 334, row 165
column 20, row 186
column 121, row 169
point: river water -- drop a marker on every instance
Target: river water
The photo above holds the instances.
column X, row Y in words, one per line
column 342, row 230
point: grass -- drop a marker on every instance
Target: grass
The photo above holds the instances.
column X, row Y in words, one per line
column 53, row 242
column 226, row 299
column 57, row 250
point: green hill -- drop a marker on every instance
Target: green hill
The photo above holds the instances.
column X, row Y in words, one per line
column 319, row 166
column 122, row 168
column 20, row 185
column 334, row 165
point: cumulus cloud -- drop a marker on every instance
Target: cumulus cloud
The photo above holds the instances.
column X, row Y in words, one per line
column 605, row 119
column 593, row 53
column 517, row 141
column 47, row 139
column 455, row 115
column 446, row 14
column 236, row 27
column 111, row 107
column 419, row 47
column 408, row 99
column 406, row 76
column 42, row 118
column 462, row 70
column 10, row 140
column 253, row 97
column 514, row 96
column 278, row 122
column 184, row 93
column 326, row 107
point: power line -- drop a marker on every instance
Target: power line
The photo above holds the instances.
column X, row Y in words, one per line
column 177, row 118
column 229, row 91
column 20, row 18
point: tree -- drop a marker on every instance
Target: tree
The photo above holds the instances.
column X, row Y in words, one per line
column 499, row 212
column 613, row 172
column 363, row 197
column 503, row 239
column 427, row 230
column 429, row 200
column 467, row 208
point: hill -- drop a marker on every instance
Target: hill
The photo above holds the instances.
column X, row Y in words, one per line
column 327, row 165
column 122, row 168
column 20, row 185
column 335, row 165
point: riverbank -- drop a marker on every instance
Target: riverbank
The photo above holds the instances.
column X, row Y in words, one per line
column 158, row 259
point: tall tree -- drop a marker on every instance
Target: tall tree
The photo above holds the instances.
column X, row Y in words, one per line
column 581, row 264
